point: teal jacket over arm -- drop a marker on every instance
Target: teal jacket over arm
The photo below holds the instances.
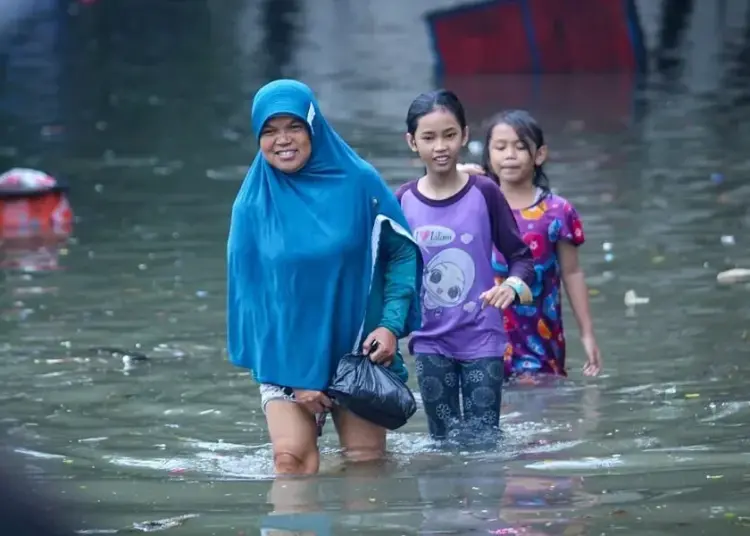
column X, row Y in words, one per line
column 391, row 298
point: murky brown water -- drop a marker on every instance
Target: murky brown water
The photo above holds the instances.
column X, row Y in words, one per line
column 156, row 150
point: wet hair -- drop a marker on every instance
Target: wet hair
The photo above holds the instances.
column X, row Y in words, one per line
column 434, row 100
column 528, row 131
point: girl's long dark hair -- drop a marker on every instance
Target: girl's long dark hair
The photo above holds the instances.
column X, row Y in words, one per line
column 528, row 131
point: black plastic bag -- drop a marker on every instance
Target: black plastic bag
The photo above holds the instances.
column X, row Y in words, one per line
column 372, row 392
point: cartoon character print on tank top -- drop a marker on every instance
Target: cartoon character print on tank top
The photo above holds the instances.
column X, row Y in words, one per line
column 536, row 331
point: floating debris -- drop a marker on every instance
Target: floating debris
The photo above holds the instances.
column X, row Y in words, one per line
column 162, row 524
column 475, row 147
column 130, row 358
column 119, row 352
column 632, row 299
column 735, row 275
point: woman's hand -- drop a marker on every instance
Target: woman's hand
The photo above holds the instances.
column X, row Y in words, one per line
column 380, row 346
column 593, row 365
column 500, row 296
column 471, row 169
column 315, row 401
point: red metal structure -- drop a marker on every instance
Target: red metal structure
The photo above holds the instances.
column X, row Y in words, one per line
column 538, row 37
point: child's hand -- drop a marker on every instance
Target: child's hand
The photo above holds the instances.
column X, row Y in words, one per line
column 500, row 296
column 471, row 169
column 593, row 365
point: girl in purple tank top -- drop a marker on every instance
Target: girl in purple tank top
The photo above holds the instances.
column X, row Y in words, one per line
column 514, row 153
column 456, row 220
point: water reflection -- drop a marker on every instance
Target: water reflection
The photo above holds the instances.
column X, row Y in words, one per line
column 674, row 20
column 280, row 36
column 357, row 492
column 601, row 104
column 477, row 501
column 480, row 492
column 33, row 73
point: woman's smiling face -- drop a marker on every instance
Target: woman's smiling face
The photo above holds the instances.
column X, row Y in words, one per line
column 285, row 143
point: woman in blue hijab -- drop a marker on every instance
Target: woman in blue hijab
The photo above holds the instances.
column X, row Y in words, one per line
column 320, row 264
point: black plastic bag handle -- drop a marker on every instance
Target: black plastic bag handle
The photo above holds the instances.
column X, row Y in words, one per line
column 373, row 347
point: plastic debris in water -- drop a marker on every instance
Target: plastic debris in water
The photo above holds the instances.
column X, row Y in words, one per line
column 727, row 240
column 162, row 524
column 717, row 178
column 607, row 246
column 735, row 275
column 632, row 299
column 609, row 257
column 475, row 147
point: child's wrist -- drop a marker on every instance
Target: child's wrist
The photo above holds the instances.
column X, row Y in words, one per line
column 505, row 284
column 522, row 290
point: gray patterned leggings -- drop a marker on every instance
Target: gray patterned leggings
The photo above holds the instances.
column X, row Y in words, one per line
column 479, row 382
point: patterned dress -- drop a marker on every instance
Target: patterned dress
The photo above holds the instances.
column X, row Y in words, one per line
column 536, row 331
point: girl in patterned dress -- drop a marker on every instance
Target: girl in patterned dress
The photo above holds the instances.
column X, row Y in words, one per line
column 514, row 153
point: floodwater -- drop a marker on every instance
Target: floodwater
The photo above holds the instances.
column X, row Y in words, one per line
column 152, row 131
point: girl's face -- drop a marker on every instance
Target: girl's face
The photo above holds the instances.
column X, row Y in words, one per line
column 512, row 159
column 438, row 141
column 285, row 143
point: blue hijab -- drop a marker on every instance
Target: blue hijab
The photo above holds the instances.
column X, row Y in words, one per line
column 303, row 264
